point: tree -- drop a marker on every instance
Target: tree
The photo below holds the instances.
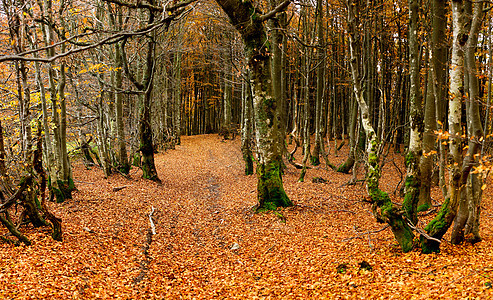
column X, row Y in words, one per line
column 60, row 173
column 413, row 176
column 249, row 21
column 382, row 207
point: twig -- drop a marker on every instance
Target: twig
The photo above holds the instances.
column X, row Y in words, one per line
column 400, row 172
column 421, row 232
column 78, row 181
column 343, row 210
column 119, row 188
column 369, row 241
column 153, row 227
column 365, row 233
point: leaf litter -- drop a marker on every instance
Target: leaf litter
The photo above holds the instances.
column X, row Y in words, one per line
column 209, row 244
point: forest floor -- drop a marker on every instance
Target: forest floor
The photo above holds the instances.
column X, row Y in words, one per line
column 210, row 245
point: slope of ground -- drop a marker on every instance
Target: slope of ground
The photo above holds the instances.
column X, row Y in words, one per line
column 209, row 245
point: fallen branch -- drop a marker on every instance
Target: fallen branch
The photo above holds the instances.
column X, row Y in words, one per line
column 423, row 233
column 119, row 188
column 153, row 227
column 144, row 264
column 343, row 210
column 78, row 181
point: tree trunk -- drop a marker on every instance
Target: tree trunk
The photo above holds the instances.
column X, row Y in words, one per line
column 246, row 130
column 305, row 75
column 457, row 177
column 382, row 206
column 440, row 81
column 413, row 176
column 351, row 159
column 468, row 211
column 177, row 91
column 249, row 22
column 227, row 103
column 146, row 144
column 123, row 163
column 426, row 161
column 317, row 148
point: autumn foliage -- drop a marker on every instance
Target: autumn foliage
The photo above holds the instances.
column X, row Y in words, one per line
column 209, row 243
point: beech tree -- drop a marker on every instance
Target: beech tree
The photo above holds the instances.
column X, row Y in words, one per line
column 249, row 21
column 383, row 208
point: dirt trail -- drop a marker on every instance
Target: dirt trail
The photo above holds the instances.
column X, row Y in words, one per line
column 209, row 244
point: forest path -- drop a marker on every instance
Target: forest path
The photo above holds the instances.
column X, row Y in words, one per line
column 209, row 244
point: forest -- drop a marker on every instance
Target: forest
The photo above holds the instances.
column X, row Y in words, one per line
column 297, row 149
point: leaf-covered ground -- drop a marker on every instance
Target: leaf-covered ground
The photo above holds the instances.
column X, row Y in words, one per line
column 209, row 245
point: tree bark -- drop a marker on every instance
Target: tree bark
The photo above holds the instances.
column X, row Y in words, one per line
column 413, row 176
column 457, row 175
column 469, row 203
column 146, row 144
column 317, row 148
column 249, row 21
column 247, row 130
column 382, row 207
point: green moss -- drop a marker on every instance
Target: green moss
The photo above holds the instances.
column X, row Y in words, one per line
column 37, row 203
column 374, row 145
column 302, row 175
column 411, row 198
column 380, row 197
column 386, row 208
column 341, row 269
column 124, row 169
column 136, row 159
column 268, row 206
column 373, row 177
column 71, row 184
column 372, row 158
column 315, row 160
column 248, row 158
column 429, row 246
column 424, row 207
column 343, row 168
column 362, row 140
column 58, row 195
column 271, row 194
column 406, row 238
column 281, row 217
column 436, row 228
column 64, row 190
column 148, row 168
column 409, row 159
column 439, row 223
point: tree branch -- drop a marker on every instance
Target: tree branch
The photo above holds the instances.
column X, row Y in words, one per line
column 423, row 233
column 281, row 7
column 175, row 11
column 155, row 8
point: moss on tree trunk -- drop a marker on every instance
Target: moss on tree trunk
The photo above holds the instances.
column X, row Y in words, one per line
column 62, row 190
column 347, row 165
column 271, row 194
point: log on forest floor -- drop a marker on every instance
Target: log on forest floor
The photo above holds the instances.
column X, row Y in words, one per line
column 144, row 264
